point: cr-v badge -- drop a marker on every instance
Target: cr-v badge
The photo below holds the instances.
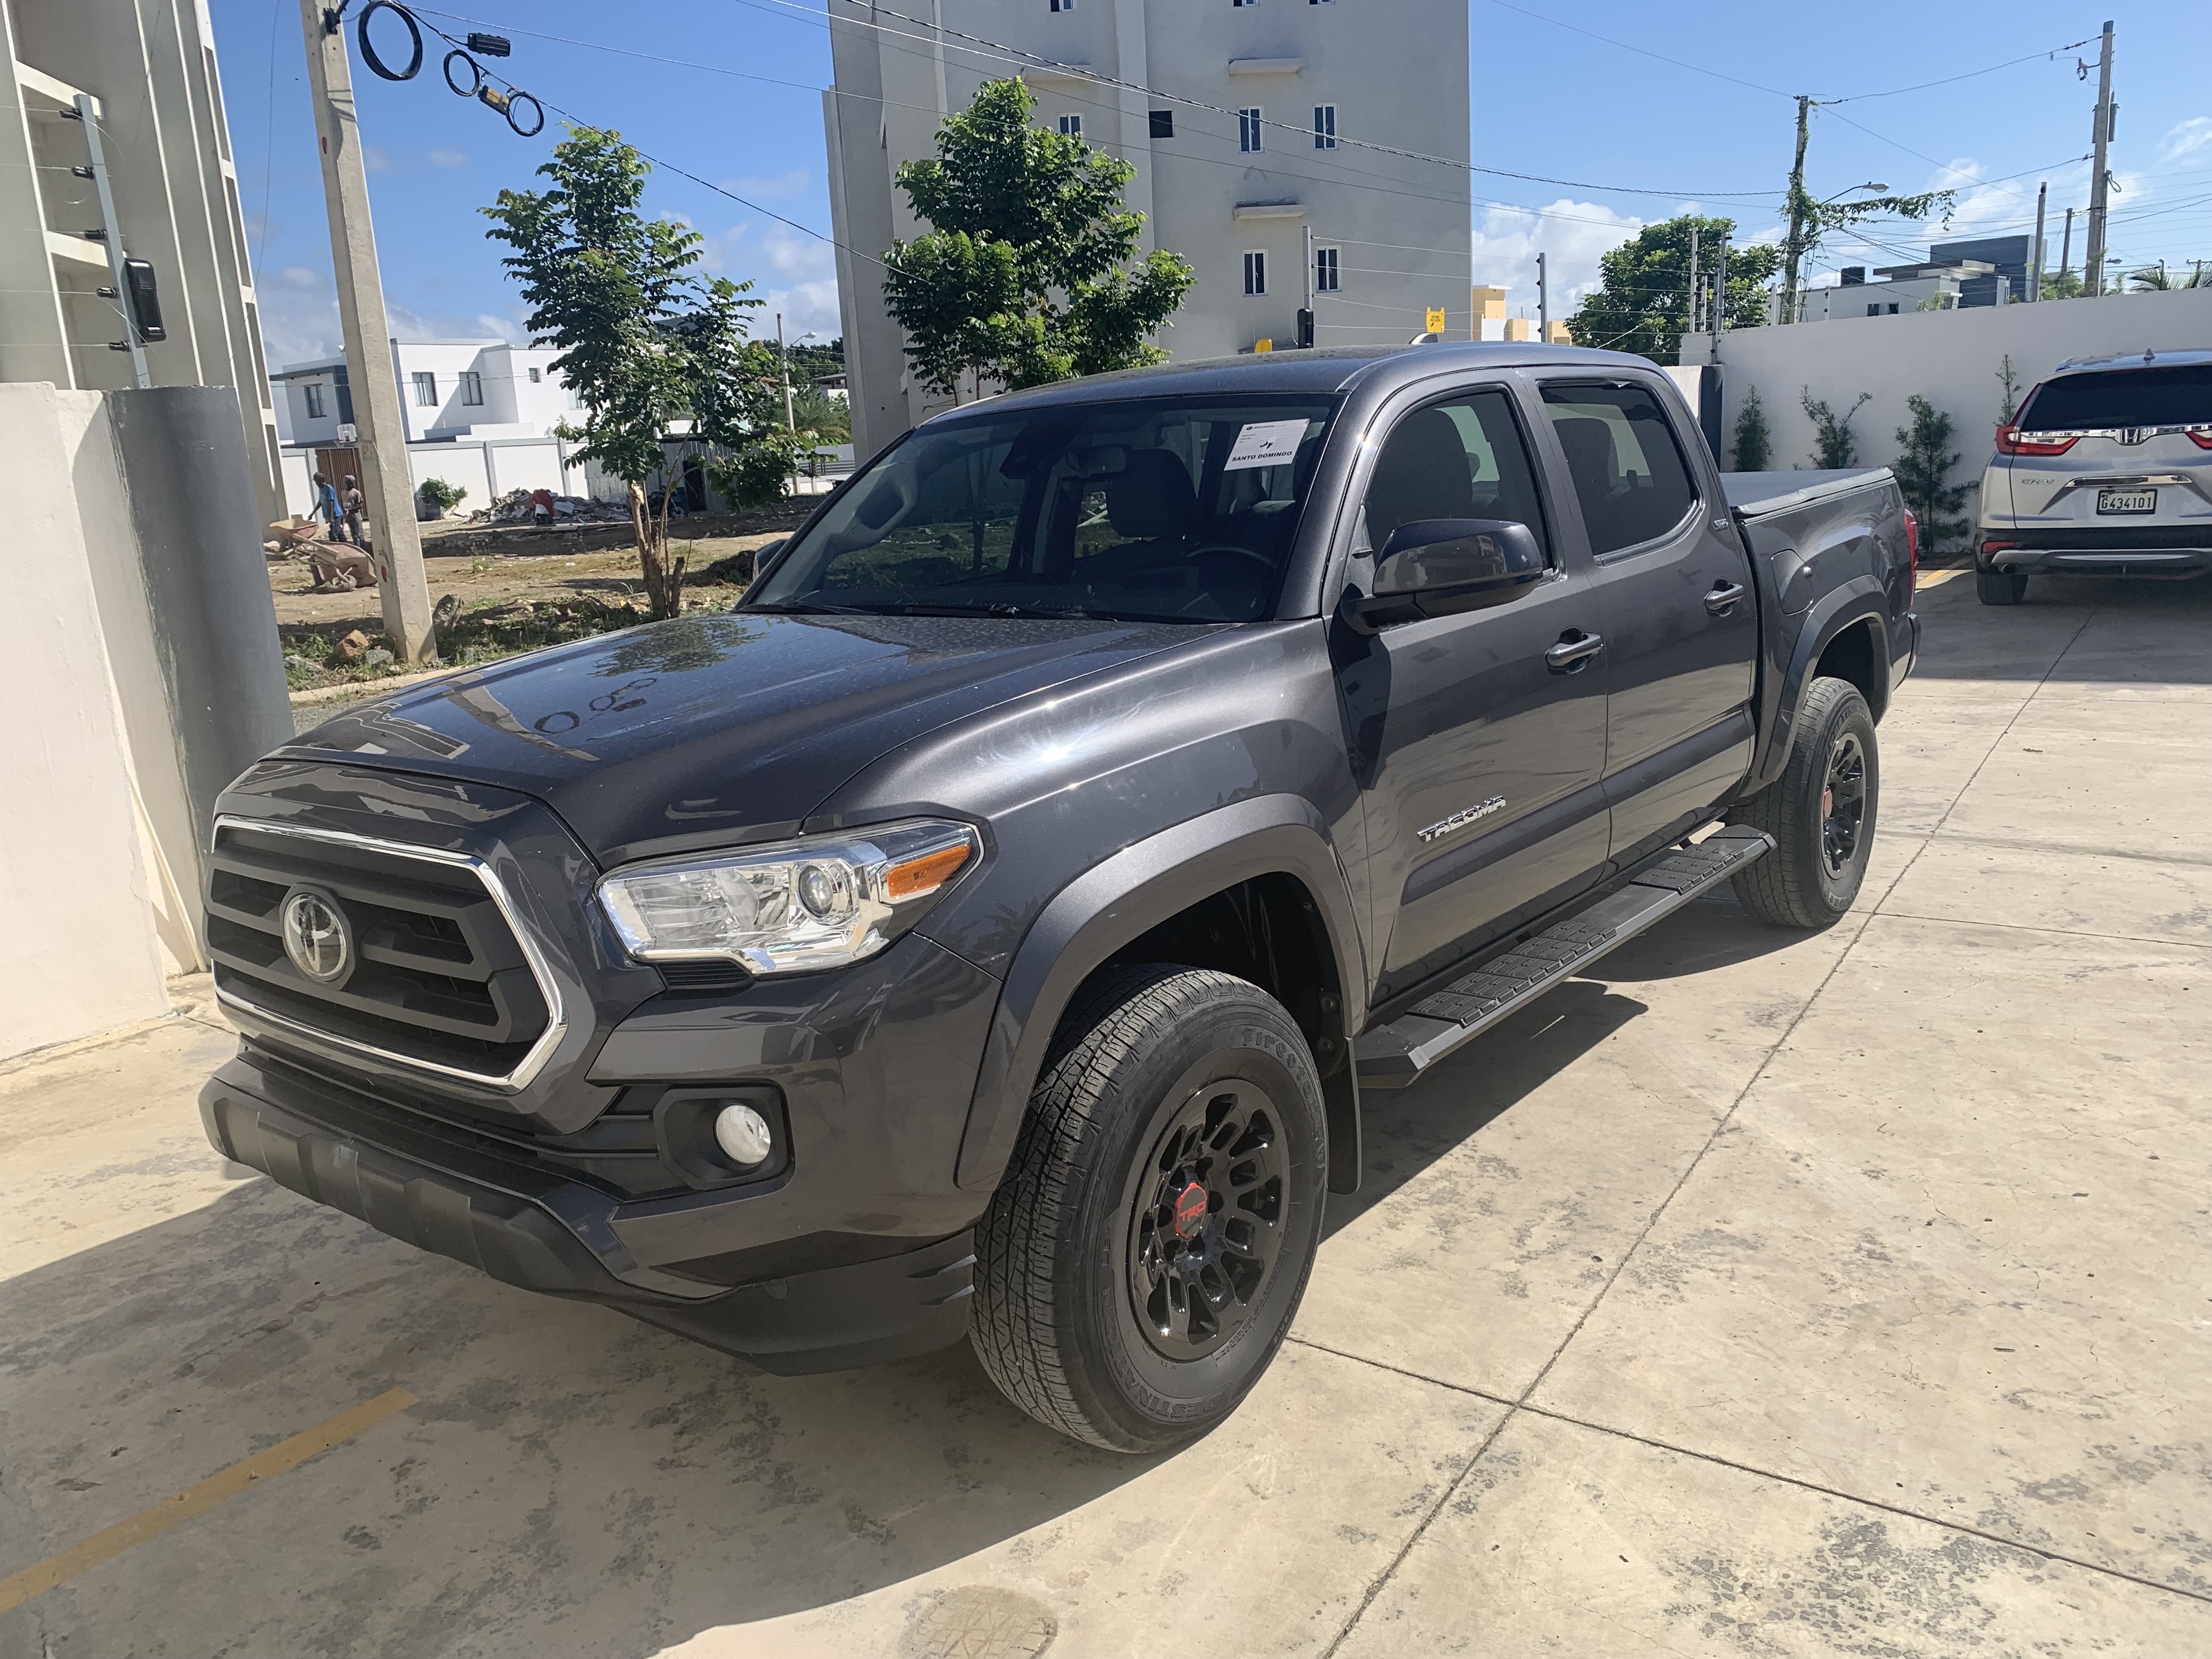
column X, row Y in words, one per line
column 1461, row 819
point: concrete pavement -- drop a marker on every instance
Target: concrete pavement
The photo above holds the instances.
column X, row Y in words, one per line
column 1756, row 1295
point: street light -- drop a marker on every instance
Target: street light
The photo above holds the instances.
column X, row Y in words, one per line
column 1853, row 191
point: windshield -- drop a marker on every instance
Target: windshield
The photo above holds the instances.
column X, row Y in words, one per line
column 1167, row 510
column 2180, row 396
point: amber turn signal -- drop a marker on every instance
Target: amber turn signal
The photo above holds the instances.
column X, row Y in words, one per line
column 926, row 874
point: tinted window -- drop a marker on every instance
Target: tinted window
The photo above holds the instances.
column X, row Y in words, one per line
column 2180, row 396
column 1461, row 458
column 1628, row 468
column 1162, row 509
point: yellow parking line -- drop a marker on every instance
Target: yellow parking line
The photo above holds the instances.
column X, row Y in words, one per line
column 203, row 1495
column 1937, row 578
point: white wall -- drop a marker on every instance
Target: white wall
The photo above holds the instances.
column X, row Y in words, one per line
column 78, row 951
column 1950, row 358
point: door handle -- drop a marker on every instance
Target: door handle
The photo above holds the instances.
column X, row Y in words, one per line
column 1573, row 653
column 1723, row 598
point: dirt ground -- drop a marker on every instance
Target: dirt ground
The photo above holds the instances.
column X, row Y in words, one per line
column 572, row 581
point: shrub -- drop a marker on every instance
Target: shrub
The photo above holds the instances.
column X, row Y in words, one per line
column 1921, row 472
column 1754, row 444
column 440, row 495
column 1834, row 444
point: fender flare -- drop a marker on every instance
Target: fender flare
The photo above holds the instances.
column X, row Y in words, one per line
column 1859, row 602
column 1121, row 899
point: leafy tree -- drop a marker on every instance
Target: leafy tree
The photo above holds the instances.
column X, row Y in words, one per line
column 2064, row 285
column 1642, row 302
column 1810, row 221
column 2156, row 279
column 829, row 418
column 1834, row 444
column 644, row 342
column 1923, row 468
column 1754, row 444
column 1026, row 273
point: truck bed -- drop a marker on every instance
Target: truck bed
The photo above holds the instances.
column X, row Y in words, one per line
column 1757, row 494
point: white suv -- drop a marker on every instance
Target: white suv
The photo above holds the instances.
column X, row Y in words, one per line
column 2107, row 471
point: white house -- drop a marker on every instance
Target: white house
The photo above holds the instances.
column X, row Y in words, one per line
column 1247, row 123
column 480, row 414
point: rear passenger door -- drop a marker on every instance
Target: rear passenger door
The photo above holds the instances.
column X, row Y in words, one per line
column 1479, row 759
column 1680, row 619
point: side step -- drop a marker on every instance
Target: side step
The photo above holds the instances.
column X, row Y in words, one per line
column 1391, row 1056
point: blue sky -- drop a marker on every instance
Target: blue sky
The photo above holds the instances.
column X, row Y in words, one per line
column 1634, row 136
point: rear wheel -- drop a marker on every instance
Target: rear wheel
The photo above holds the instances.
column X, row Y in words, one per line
column 1999, row 587
column 1140, row 1262
column 1821, row 812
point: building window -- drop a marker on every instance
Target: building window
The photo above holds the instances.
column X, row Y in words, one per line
column 1239, row 5
column 314, row 400
column 472, row 386
column 1071, row 126
column 1248, row 129
column 1324, row 126
column 1163, row 124
column 533, row 377
column 1255, row 272
column 1324, row 270
column 1063, row 5
column 426, row 391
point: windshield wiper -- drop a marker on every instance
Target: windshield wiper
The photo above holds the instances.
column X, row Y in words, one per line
column 802, row 608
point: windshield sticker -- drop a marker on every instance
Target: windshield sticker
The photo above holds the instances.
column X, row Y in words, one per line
column 1265, row 443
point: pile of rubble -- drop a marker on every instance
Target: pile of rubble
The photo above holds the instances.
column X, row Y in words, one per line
column 544, row 507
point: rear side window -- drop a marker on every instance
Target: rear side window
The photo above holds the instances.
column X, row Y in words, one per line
column 2180, row 396
column 1626, row 465
column 1461, row 459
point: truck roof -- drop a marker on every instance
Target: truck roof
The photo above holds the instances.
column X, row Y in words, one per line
column 1327, row 369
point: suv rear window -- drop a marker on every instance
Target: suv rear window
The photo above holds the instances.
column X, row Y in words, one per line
column 2180, row 396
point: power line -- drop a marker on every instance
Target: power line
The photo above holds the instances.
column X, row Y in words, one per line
column 1896, row 92
column 986, row 47
column 1698, row 68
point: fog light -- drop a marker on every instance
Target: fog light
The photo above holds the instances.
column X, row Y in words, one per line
column 743, row 1136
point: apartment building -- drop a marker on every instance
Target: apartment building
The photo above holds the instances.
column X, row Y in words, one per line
column 1249, row 122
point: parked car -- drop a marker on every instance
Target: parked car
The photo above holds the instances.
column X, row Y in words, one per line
column 990, row 927
column 2106, row 472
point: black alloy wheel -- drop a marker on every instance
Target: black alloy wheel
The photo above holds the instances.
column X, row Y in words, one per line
column 1821, row 812
column 1208, row 1222
column 1147, row 1248
column 1843, row 804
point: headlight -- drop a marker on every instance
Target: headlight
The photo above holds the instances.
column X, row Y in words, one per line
column 820, row 903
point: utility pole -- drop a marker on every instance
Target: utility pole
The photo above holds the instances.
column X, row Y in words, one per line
column 1543, row 302
column 401, row 587
column 2100, row 132
column 790, row 414
column 2066, row 251
column 1692, row 327
column 2035, row 266
column 1720, row 297
column 1793, row 246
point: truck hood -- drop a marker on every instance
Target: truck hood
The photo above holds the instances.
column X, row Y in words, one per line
column 716, row 729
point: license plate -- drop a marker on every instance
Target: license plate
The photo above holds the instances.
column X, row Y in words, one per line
column 2127, row 500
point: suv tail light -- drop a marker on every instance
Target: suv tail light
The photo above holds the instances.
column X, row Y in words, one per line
column 1912, row 554
column 2010, row 442
column 2202, row 437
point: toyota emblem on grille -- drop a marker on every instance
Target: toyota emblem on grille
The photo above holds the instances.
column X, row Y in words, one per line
column 316, row 936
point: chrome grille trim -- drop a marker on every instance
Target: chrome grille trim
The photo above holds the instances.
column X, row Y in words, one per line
column 556, row 1018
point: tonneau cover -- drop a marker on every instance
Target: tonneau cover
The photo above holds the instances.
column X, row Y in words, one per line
column 1756, row 493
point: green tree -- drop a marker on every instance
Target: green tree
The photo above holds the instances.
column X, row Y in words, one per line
column 1923, row 470
column 1810, row 221
column 645, row 341
column 2156, row 279
column 1834, row 444
column 1754, row 444
column 2064, row 285
column 1642, row 302
column 1025, row 275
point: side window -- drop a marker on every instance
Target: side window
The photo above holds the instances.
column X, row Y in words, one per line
column 1625, row 462
column 1461, row 459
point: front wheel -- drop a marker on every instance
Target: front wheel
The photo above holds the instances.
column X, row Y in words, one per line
column 1821, row 812
column 1142, row 1260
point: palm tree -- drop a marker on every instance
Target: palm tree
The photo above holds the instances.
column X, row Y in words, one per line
column 2155, row 279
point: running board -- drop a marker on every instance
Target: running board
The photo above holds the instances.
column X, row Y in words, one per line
column 1391, row 1056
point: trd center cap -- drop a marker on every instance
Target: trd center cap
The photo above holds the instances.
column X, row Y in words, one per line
column 1190, row 1211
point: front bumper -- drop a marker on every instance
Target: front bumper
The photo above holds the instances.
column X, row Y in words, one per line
column 533, row 1230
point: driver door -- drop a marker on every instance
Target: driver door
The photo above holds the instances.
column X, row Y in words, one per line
column 1481, row 760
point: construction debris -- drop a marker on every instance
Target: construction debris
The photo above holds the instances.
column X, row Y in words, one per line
column 542, row 506
column 351, row 649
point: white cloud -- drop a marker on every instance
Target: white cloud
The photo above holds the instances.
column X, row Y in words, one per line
column 449, row 159
column 793, row 183
column 1571, row 235
column 302, row 276
column 2187, row 138
column 375, row 160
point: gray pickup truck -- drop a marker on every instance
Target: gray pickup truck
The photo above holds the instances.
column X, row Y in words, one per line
column 989, row 927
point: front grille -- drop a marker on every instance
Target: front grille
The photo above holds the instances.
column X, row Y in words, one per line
column 439, row 978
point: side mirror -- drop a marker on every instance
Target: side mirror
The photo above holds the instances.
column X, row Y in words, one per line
column 1435, row 567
